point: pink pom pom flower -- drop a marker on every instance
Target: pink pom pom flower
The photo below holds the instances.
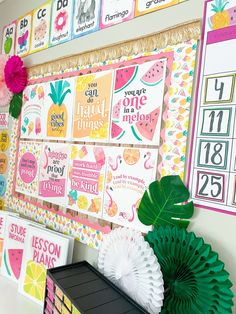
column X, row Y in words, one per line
column 5, row 93
column 15, row 75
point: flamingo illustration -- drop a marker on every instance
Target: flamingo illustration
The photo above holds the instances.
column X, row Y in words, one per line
column 125, row 216
column 148, row 164
column 113, row 166
column 112, row 207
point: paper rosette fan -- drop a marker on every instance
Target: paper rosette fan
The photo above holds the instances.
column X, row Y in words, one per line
column 195, row 279
column 129, row 262
column 5, row 93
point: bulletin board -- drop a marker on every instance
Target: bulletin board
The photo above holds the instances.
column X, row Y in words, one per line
column 175, row 50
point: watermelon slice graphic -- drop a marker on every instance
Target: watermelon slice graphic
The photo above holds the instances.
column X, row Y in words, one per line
column 116, row 131
column 116, row 111
column 154, row 75
column 147, row 129
column 15, row 259
column 124, row 77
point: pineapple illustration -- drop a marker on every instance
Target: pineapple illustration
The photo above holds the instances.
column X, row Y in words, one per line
column 221, row 18
column 57, row 114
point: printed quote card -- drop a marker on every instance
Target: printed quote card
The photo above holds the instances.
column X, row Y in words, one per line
column 53, row 172
column 129, row 173
column 23, row 34
column 147, row 6
column 31, row 116
column 137, row 103
column 116, row 11
column 86, row 17
column 41, row 27
column 9, row 39
column 61, row 21
column 92, row 107
column 86, row 179
column 58, row 108
column 28, row 168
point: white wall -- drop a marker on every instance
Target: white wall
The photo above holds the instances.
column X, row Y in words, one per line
column 216, row 228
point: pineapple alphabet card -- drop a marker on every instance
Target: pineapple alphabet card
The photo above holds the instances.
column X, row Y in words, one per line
column 137, row 103
column 9, row 39
column 23, row 34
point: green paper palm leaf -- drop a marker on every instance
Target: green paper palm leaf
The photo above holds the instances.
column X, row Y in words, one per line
column 15, row 105
column 161, row 204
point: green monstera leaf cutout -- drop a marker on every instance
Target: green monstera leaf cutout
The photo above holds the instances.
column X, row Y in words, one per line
column 162, row 203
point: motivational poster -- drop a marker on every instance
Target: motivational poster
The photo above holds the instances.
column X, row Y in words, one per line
column 23, row 34
column 9, row 39
column 86, row 179
column 129, row 173
column 137, row 103
column 28, row 168
column 61, row 21
column 58, row 108
column 86, row 17
column 53, row 172
column 41, row 27
column 92, row 106
column 147, row 6
column 116, row 11
column 31, row 116
column 4, row 118
column 3, row 163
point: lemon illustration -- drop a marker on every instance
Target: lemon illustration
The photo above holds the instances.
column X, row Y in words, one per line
column 82, row 202
column 82, row 82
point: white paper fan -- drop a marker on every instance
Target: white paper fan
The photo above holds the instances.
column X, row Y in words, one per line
column 129, row 262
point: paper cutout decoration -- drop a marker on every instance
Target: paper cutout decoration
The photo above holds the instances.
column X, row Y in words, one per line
column 31, row 116
column 23, row 35
column 41, row 27
column 86, row 179
column 3, row 163
column 147, row 6
column 9, row 39
column 86, row 17
column 4, row 117
column 61, row 21
column 53, row 172
column 129, row 172
column 28, row 168
column 92, row 107
column 129, row 262
column 137, row 103
column 4, row 140
column 116, row 11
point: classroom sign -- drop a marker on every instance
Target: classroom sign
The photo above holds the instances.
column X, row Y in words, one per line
column 23, row 35
column 147, row 6
column 9, row 39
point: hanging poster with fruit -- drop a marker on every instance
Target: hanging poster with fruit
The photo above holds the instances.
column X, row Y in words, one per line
column 86, row 179
column 9, row 39
column 28, row 168
column 116, row 11
column 58, row 109
column 212, row 164
column 92, row 107
column 41, row 28
column 31, row 116
column 147, row 6
column 86, row 17
column 129, row 173
column 53, row 172
column 23, row 35
column 137, row 103
column 61, row 21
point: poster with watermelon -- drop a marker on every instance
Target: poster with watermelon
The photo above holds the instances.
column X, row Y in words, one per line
column 44, row 250
column 137, row 103
column 9, row 39
column 129, row 173
column 92, row 107
column 86, row 179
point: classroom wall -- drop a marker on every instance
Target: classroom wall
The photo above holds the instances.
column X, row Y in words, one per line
column 216, row 228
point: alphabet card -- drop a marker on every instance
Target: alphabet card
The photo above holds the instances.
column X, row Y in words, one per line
column 129, row 173
column 28, row 168
column 23, row 34
column 41, row 27
column 86, row 17
column 137, row 103
column 147, row 6
column 31, row 116
column 53, row 172
column 9, row 39
column 92, row 107
column 61, row 21
column 116, row 11
column 86, row 179
column 59, row 102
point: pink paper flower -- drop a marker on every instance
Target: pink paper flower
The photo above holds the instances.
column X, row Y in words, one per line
column 5, row 94
column 15, row 74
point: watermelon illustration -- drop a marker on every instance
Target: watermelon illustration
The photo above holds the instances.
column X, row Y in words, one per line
column 124, row 77
column 116, row 131
column 147, row 129
column 15, row 259
column 154, row 75
column 116, row 111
